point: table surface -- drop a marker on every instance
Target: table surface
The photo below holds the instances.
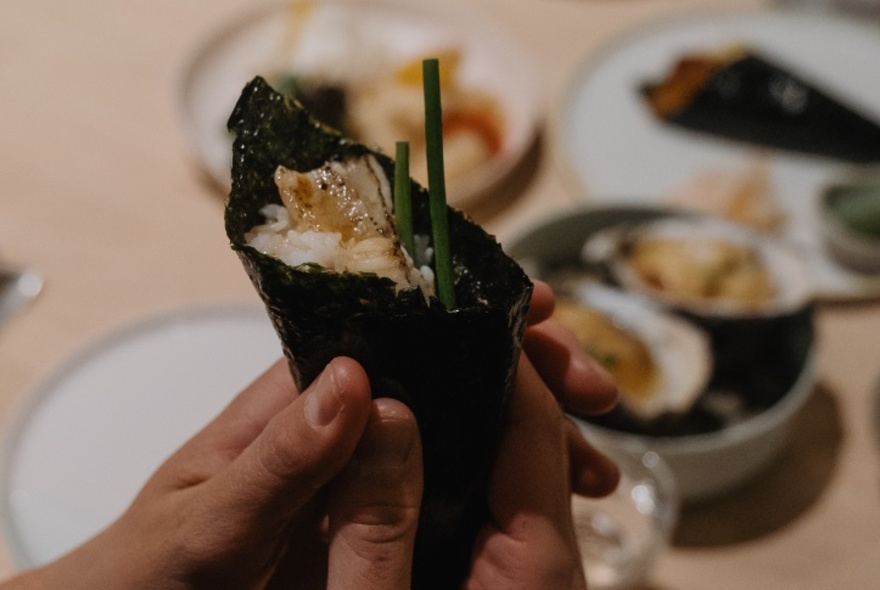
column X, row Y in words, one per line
column 100, row 193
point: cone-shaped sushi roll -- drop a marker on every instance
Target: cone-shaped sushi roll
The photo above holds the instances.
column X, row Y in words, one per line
column 741, row 95
column 310, row 216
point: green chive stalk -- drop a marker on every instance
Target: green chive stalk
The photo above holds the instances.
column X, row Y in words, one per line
column 403, row 198
column 437, row 182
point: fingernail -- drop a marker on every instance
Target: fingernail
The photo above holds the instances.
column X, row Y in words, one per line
column 603, row 373
column 386, row 444
column 323, row 402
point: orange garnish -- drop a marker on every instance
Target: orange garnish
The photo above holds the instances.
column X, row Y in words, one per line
column 410, row 74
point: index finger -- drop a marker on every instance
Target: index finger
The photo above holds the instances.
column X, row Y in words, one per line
column 531, row 542
column 532, row 455
column 542, row 303
column 578, row 381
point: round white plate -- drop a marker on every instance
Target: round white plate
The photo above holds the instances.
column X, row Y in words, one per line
column 492, row 60
column 86, row 440
column 617, row 153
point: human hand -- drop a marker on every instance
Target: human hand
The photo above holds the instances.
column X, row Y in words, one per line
column 243, row 504
column 578, row 383
column 319, row 490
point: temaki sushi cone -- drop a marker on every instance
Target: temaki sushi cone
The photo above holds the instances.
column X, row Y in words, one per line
column 453, row 367
column 742, row 95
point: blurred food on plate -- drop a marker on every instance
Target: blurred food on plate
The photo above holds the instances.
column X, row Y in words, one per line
column 356, row 66
column 348, row 78
column 707, row 266
column 743, row 195
column 661, row 363
column 623, row 353
column 607, row 123
column 740, row 93
column 711, row 269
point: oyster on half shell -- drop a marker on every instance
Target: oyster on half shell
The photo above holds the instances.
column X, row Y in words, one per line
column 661, row 363
column 708, row 267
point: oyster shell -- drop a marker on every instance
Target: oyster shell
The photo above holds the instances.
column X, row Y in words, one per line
column 708, row 267
column 662, row 363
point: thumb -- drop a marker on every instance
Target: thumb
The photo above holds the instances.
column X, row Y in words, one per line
column 374, row 505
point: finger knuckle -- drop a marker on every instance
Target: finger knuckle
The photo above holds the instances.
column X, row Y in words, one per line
column 382, row 524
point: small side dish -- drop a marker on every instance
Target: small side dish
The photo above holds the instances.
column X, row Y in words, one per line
column 850, row 216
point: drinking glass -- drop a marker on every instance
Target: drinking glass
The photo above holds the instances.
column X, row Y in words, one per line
column 621, row 535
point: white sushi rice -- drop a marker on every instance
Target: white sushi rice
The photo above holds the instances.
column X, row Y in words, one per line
column 295, row 248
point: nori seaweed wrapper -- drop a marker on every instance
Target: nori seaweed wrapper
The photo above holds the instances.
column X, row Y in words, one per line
column 756, row 100
column 453, row 367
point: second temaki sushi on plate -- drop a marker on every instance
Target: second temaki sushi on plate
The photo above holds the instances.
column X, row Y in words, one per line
column 745, row 95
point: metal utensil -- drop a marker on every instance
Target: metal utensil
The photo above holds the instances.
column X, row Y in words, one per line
column 17, row 289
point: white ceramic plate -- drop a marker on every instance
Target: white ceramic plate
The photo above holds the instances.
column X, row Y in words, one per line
column 85, row 441
column 492, row 60
column 617, row 153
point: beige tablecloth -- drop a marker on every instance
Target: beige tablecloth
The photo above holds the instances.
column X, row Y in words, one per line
column 98, row 191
